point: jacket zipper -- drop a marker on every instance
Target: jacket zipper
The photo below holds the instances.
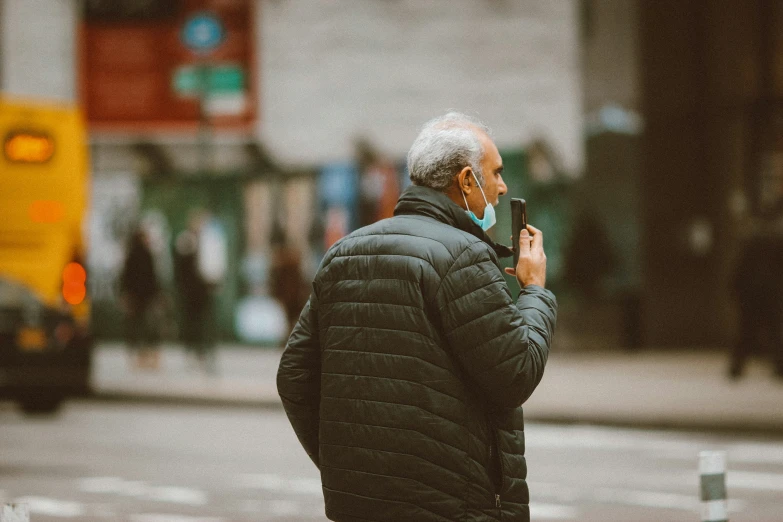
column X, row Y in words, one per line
column 494, row 452
column 491, row 458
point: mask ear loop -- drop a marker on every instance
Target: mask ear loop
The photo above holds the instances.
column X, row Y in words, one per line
column 486, row 203
column 482, row 192
column 466, row 201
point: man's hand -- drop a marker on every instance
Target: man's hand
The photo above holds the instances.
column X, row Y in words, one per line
column 531, row 267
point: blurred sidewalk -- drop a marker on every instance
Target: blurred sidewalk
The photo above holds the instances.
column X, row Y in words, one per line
column 675, row 389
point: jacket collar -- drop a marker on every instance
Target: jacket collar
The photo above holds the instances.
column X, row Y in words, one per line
column 424, row 201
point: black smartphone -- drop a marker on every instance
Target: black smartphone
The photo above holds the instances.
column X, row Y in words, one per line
column 518, row 222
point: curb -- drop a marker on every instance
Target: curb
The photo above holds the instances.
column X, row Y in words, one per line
column 151, row 398
column 691, row 425
column 274, row 404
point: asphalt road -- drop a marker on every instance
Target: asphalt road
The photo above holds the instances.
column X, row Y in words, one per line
column 147, row 463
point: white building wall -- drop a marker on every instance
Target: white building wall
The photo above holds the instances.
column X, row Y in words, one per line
column 333, row 70
column 611, row 55
column 38, row 48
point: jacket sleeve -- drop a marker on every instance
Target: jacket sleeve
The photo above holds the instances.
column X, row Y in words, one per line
column 299, row 379
column 502, row 346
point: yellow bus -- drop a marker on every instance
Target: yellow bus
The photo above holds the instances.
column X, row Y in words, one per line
column 45, row 342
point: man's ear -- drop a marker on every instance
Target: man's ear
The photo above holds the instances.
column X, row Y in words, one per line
column 465, row 178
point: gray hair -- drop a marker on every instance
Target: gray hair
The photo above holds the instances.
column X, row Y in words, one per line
column 444, row 147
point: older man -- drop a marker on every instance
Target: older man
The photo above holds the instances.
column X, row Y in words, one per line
column 404, row 376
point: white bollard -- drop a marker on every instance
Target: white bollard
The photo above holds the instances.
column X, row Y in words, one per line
column 14, row 513
column 712, row 469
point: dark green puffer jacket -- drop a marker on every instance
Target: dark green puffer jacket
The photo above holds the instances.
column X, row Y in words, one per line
column 404, row 376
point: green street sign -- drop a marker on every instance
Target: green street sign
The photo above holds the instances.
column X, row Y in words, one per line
column 190, row 80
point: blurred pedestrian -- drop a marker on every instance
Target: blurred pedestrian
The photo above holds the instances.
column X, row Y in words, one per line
column 285, row 276
column 758, row 289
column 195, row 298
column 378, row 186
column 589, row 259
column 139, row 297
column 404, row 375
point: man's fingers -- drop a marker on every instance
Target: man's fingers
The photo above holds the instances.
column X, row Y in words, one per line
column 524, row 241
column 511, row 271
column 538, row 237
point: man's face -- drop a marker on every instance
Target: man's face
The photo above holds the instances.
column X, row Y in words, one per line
column 494, row 187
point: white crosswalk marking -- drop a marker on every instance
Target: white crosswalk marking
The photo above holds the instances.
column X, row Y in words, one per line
column 759, row 453
column 670, row 482
column 115, row 485
column 552, row 491
column 656, row 499
column 652, row 499
column 565, row 496
column 177, row 495
column 310, row 486
column 561, row 437
column 658, row 446
column 100, row 484
column 272, row 482
column 284, row 508
column 262, row 481
column 539, row 511
column 102, row 511
column 753, row 480
column 52, row 507
column 170, row 517
column 134, row 488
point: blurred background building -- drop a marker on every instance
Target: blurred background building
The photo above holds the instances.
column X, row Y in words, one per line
column 644, row 135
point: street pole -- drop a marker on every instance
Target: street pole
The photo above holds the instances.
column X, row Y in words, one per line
column 202, row 33
column 204, row 131
column 712, row 469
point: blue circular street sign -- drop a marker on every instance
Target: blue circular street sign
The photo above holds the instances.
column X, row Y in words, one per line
column 203, row 32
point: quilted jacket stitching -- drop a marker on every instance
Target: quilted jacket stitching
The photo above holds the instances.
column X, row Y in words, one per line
column 425, row 410
column 426, row 485
column 387, row 378
column 381, row 354
column 390, row 501
column 400, row 453
column 427, row 435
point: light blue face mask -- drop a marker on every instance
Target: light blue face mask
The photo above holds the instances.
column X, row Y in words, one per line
column 489, row 211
